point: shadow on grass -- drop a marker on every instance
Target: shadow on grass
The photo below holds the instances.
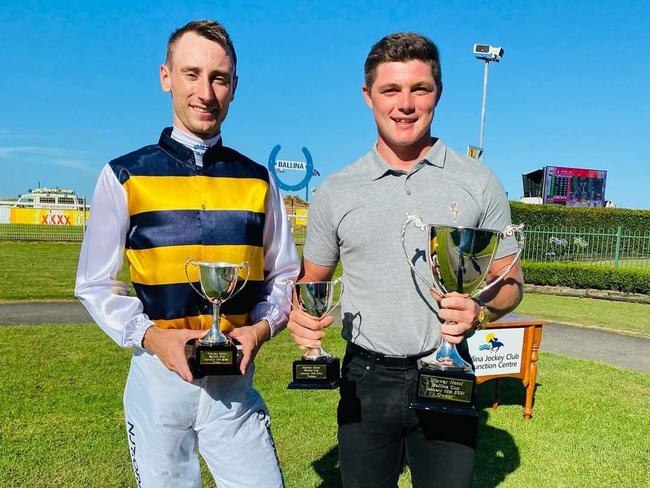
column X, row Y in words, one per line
column 511, row 392
column 497, row 454
column 327, row 468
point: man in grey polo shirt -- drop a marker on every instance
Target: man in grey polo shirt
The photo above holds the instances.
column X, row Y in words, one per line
column 389, row 319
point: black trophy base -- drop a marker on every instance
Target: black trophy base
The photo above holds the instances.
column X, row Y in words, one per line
column 316, row 374
column 214, row 359
column 445, row 391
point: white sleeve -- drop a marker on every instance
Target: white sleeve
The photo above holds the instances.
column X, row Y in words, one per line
column 280, row 263
column 102, row 251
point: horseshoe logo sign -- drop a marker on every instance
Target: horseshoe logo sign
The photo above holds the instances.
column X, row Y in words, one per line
column 309, row 170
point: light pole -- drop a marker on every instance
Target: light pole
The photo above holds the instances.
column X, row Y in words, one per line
column 487, row 54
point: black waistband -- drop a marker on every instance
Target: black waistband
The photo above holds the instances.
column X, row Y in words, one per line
column 393, row 362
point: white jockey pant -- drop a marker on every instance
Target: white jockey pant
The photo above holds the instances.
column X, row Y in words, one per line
column 167, row 417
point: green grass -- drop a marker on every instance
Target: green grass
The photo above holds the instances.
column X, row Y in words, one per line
column 630, row 318
column 40, row 271
column 61, row 421
column 32, row 270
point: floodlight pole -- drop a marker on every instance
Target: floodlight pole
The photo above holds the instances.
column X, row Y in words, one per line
column 483, row 105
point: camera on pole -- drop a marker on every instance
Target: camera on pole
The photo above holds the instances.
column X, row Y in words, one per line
column 488, row 53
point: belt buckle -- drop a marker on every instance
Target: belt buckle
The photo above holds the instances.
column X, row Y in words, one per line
column 398, row 362
column 403, row 360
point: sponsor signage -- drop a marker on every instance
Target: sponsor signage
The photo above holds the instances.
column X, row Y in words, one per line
column 44, row 216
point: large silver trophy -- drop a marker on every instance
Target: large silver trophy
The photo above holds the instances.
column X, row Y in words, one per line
column 459, row 259
column 215, row 353
column 317, row 369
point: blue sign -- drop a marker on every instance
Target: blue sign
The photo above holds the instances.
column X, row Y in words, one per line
column 309, row 170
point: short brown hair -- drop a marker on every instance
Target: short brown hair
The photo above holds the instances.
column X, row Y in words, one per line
column 210, row 29
column 402, row 47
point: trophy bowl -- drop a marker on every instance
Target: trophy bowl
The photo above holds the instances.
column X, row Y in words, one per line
column 459, row 259
column 216, row 353
column 317, row 369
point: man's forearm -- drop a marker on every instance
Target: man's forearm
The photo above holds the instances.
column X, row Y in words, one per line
column 505, row 301
column 505, row 295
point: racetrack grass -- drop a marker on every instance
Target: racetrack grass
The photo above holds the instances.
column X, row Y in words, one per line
column 40, row 270
column 629, row 318
column 62, row 425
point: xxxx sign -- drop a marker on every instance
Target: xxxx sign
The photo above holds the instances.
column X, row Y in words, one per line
column 55, row 219
column 45, row 216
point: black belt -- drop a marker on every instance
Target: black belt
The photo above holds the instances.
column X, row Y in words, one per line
column 393, row 362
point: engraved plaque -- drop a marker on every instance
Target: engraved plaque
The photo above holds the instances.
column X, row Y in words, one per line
column 445, row 388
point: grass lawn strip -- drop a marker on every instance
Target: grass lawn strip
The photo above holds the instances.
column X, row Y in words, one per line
column 630, row 318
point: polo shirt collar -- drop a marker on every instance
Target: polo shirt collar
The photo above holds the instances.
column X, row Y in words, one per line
column 378, row 167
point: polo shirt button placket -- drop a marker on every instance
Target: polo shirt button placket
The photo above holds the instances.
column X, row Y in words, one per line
column 407, row 185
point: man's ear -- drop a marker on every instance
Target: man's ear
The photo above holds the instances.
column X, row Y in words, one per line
column 439, row 94
column 235, row 79
column 165, row 80
column 366, row 95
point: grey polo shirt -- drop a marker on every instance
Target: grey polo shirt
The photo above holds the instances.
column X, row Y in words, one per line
column 356, row 216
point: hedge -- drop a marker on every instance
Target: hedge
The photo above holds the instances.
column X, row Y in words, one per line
column 579, row 275
column 579, row 217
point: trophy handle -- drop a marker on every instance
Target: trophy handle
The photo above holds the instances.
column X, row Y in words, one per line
column 189, row 280
column 322, row 353
column 417, row 221
column 511, row 230
column 289, row 291
column 246, row 265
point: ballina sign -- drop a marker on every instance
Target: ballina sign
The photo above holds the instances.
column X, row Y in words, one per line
column 280, row 165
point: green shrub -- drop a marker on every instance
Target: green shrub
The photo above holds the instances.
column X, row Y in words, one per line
column 579, row 217
column 579, row 275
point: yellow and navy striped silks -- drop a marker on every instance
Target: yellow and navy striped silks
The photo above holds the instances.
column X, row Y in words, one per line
column 180, row 211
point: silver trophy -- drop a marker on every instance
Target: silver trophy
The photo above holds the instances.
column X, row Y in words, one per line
column 459, row 259
column 215, row 353
column 317, row 369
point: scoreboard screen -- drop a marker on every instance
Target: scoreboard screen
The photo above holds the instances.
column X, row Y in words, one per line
column 574, row 187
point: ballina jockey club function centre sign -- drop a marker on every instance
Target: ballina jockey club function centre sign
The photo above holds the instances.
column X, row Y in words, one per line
column 496, row 352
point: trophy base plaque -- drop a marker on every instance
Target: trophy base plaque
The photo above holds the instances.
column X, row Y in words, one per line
column 323, row 373
column 214, row 359
column 445, row 391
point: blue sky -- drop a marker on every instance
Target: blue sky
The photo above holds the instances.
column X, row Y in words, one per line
column 79, row 84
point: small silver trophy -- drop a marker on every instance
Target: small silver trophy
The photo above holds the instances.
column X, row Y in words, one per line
column 459, row 259
column 215, row 353
column 317, row 369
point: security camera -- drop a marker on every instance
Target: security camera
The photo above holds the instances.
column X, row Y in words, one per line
column 488, row 53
